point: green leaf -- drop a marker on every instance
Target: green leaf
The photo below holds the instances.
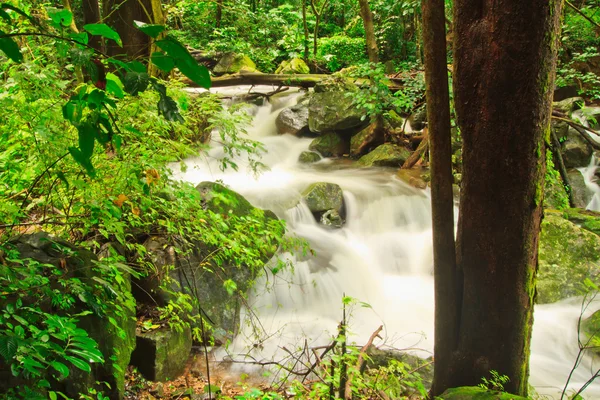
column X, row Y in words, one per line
column 136, row 66
column 104, row 31
column 6, row 6
column 85, row 162
column 60, row 368
column 8, row 347
column 60, row 17
column 10, row 48
column 87, row 135
column 95, row 99
column 230, row 286
column 80, row 37
column 167, row 107
column 185, row 62
column 82, row 365
column 114, row 86
column 152, row 30
column 92, row 355
column 4, row 15
column 81, row 56
column 52, row 395
column 136, row 82
column 162, row 61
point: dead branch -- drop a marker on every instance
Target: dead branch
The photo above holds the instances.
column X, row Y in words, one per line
column 581, row 129
column 359, row 362
column 416, row 155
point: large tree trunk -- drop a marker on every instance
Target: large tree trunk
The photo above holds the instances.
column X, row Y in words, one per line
column 91, row 15
column 136, row 44
column 367, row 17
column 505, row 57
column 447, row 277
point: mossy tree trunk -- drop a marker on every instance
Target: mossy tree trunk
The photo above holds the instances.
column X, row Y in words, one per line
column 367, row 17
column 504, row 63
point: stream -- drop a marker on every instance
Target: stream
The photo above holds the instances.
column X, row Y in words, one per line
column 382, row 257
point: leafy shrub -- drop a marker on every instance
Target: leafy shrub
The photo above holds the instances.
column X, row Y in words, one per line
column 342, row 51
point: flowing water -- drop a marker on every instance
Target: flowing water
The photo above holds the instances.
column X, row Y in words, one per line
column 381, row 257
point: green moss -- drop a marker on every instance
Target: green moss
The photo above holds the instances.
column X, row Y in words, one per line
column 386, row 155
column 477, row 393
column 330, row 145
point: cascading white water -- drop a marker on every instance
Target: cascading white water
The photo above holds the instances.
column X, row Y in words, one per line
column 382, row 256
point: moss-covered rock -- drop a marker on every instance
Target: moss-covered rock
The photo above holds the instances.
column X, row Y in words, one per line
column 293, row 120
column 477, row 393
column 162, row 354
column 222, row 200
column 323, row 196
column 386, row 155
column 232, row 63
column 587, row 219
column 568, row 255
column 309, row 157
column 330, row 145
column 367, row 139
column 332, row 108
column 591, row 329
column 418, row 119
column 569, row 105
column 293, row 66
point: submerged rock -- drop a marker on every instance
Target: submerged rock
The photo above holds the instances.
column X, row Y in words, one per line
column 161, row 355
column 309, row 157
column 330, row 145
column 293, row 120
column 232, row 63
column 386, row 155
column 568, row 254
column 293, row 66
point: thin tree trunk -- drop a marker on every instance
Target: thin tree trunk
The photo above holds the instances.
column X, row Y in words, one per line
column 67, row 6
column 447, row 277
column 219, row 15
column 136, row 44
column 367, row 17
column 305, row 25
column 91, row 15
column 158, row 18
column 504, row 63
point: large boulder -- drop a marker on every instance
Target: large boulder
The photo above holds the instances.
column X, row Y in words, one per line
column 293, row 66
column 162, row 354
column 575, row 150
column 477, row 393
column 332, row 108
column 367, row 139
column 326, row 202
column 568, row 255
column 418, row 119
column 232, row 63
column 581, row 195
column 386, row 155
column 293, row 120
column 568, row 105
column 587, row 219
column 330, row 145
column 308, row 157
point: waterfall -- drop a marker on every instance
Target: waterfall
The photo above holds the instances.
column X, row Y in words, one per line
column 382, row 257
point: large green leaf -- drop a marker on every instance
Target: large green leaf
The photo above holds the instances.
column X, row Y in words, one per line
column 163, row 61
column 185, row 62
column 167, row 107
column 135, row 82
column 60, row 368
column 8, row 347
column 4, row 15
column 60, row 16
column 114, row 85
column 6, row 6
column 151, row 30
column 87, row 139
column 85, row 162
column 104, row 31
column 10, row 48
column 81, row 37
column 79, row 363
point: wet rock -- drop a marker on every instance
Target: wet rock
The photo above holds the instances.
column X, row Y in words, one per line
column 568, row 255
column 162, row 354
column 581, row 195
column 293, row 120
column 309, row 157
column 367, row 139
column 331, row 108
column 232, row 63
column 386, row 155
column 592, row 116
column 326, row 202
column 330, row 145
column 412, row 177
column 591, row 329
column 588, row 220
column 418, row 119
column 293, row 66
column 569, row 105
column 575, row 150
column 332, row 218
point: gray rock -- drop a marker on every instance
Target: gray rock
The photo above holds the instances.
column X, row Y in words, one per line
column 569, row 105
column 581, row 195
column 326, row 202
column 367, row 139
column 332, row 108
column 575, row 150
column 293, row 120
column 418, row 119
column 332, row 218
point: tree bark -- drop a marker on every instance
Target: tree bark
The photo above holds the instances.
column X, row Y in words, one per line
column 91, row 15
column 367, row 17
column 448, row 280
column 219, row 14
column 504, row 63
column 305, row 25
column 120, row 14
